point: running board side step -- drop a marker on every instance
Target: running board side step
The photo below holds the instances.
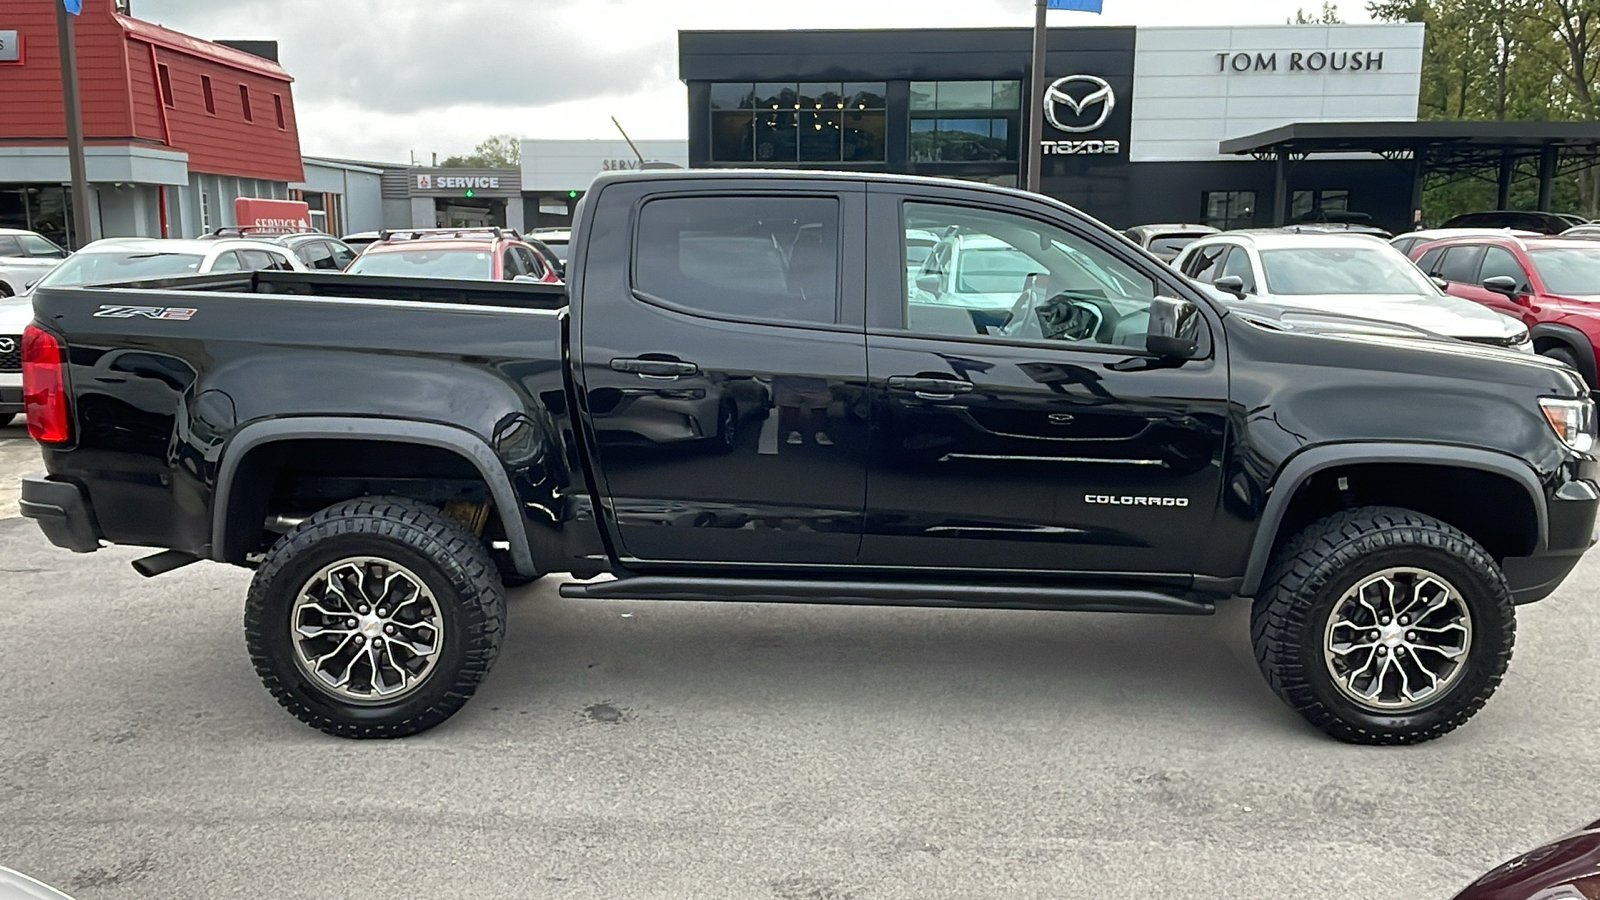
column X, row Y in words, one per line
column 888, row 593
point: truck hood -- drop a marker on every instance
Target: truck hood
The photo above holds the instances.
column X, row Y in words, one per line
column 1440, row 314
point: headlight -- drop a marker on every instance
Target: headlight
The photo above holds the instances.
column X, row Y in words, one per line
column 1573, row 421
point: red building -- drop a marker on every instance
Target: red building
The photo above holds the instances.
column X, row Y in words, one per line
column 175, row 127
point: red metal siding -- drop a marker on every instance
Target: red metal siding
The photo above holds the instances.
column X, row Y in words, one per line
column 121, row 98
column 32, row 91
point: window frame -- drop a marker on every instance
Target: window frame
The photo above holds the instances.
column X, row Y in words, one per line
column 1524, row 281
column 1205, row 206
column 277, row 105
column 1468, row 248
column 1108, row 243
column 1256, row 277
column 244, row 102
column 851, row 206
column 754, row 112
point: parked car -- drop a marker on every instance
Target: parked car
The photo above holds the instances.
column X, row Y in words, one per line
column 314, row 249
column 15, row 314
column 126, row 259
column 25, row 257
column 1405, row 243
column 1574, row 219
column 1567, row 868
column 1320, row 221
column 361, row 240
column 1165, row 241
column 480, row 254
column 1552, row 285
column 1589, row 232
column 1353, row 275
column 1520, row 220
column 557, row 239
column 1386, row 500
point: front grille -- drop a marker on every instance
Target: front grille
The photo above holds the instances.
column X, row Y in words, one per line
column 10, row 360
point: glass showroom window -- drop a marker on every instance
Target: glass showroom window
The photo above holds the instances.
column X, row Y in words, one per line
column 965, row 121
column 1303, row 203
column 780, row 123
column 1228, row 209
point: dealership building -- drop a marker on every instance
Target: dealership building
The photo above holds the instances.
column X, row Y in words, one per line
column 175, row 127
column 1135, row 118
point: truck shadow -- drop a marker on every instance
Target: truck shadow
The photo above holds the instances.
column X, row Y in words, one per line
column 751, row 658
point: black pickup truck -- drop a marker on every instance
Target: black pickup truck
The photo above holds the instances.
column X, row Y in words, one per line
column 766, row 387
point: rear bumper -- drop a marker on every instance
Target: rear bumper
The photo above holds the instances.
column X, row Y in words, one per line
column 62, row 511
column 1572, row 509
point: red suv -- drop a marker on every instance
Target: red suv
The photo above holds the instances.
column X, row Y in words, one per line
column 485, row 254
column 1551, row 284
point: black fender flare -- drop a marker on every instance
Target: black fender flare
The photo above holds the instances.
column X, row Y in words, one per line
column 1308, row 462
column 402, row 431
column 1582, row 348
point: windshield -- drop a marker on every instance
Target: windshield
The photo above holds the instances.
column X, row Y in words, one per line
column 94, row 268
column 1575, row 271
column 456, row 263
column 1172, row 243
column 1342, row 270
column 36, row 246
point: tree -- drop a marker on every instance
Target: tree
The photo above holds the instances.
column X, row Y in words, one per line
column 499, row 151
column 1328, row 16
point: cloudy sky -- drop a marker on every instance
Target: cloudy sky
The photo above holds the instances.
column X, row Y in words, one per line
column 380, row 79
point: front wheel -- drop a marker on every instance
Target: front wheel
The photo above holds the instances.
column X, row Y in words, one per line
column 375, row 618
column 1384, row 626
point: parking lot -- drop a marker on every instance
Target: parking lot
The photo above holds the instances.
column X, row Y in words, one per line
column 702, row 750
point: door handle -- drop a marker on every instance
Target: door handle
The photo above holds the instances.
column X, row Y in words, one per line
column 929, row 388
column 655, row 368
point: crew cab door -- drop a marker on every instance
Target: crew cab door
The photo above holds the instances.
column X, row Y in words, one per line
column 1053, row 443
column 723, row 369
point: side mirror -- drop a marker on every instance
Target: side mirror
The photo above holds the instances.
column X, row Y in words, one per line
column 1502, row 284
column 1233, row 284
column 928, row 284
column 1174, row 328
column 1439, row 283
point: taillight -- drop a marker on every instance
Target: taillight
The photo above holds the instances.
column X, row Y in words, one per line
column 44, row 387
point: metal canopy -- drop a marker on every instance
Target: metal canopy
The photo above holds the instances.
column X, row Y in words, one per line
column 1488, row 138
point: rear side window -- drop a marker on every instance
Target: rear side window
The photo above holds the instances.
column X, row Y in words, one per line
column 1429, row 261
column 317, row 255
column 10, row 246
column 1460, row 264
column 531, row 264
column 752, row 257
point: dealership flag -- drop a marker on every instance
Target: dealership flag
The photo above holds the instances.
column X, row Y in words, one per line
column 1079, row 5
column 76, row 6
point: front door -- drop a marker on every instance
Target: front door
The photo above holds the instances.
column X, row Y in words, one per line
column 1050, row 442
column 724, row 373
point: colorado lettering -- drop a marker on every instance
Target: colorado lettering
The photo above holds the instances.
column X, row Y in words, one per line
column 1111, row 500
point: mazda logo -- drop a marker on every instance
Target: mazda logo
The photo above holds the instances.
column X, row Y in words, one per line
column 1058, row 96
column 8, row 345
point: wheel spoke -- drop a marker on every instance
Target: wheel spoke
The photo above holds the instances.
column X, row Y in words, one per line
column 1390, row 665
column 362, row 665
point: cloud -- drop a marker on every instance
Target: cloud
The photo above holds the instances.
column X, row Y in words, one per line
column 382, row 78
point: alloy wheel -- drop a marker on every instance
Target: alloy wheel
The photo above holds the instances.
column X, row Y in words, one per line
column 366, row 630
column 1397, row 639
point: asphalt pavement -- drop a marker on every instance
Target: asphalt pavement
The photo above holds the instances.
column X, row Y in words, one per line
column 634, row 749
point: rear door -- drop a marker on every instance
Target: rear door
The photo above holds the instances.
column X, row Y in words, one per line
column 722, row 365
column 1048, row 444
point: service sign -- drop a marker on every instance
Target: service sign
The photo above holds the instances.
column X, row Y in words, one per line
column 10, row 47
column 272, row 215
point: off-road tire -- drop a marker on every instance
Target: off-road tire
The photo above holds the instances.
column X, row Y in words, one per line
column 1310, row 574
column 443, row 553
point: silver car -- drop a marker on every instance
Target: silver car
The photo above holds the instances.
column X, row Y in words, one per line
column 1165, row 242
column 1348, row 274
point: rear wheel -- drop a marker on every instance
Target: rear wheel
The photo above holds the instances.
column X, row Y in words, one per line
column 1564, row 355
column 1384, row 626
column 5, row 291
column 375, row 618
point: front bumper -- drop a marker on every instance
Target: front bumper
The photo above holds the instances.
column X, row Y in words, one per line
column 62, row 511
column 10, row 393
column 1572, row 511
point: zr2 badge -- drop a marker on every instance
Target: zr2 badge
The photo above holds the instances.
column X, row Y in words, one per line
column 163, row 313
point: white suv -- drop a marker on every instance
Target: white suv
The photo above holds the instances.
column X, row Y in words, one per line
column 126, row 259
column 25, row 257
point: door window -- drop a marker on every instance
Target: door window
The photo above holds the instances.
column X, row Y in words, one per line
column 1019, row 278
column 1429, row 262
column 1460, row 263
column 342, row 256
column 1238, row 264
column 317, row 255
column 510, row 266
column 530, row 262
column 227, row 262
column 752, row 257
column 9, row 246
column 1203, row 264
column 1498, row 261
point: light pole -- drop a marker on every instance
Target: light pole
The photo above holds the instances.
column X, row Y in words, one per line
column 74, row 116
column 1035, row 157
